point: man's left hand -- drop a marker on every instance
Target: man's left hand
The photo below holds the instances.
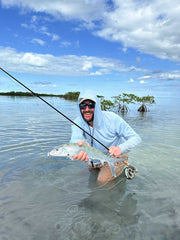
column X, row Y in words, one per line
column 115, row 151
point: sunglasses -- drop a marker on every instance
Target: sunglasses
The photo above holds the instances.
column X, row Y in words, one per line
column 84, row 105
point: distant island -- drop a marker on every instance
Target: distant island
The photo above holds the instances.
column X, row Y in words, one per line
column 68, row 96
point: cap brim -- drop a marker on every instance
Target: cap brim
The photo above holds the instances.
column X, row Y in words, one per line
column 83, row 99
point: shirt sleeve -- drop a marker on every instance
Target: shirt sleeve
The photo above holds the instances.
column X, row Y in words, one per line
column 132, row 139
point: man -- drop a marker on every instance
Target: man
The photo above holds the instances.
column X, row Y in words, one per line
column 109, row 128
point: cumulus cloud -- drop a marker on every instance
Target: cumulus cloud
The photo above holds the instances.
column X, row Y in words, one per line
column 151, row 27
column 68, row 65
column 86, row 10
column 87, row 66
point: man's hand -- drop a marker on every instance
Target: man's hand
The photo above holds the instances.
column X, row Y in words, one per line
column 115, row 151
column 81, row 156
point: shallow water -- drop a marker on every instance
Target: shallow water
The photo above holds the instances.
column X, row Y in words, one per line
column 47, row 198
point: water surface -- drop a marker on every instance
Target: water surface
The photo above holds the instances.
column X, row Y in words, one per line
column 46, row 198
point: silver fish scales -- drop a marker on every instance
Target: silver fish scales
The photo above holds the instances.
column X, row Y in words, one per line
column 71, row 149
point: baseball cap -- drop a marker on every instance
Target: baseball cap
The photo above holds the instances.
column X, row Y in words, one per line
column 83, row 99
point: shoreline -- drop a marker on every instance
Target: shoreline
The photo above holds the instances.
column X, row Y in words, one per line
column 68, row 96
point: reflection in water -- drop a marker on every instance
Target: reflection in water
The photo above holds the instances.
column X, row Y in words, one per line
column 108, row 210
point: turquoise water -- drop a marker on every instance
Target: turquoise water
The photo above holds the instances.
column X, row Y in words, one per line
column 46, row 198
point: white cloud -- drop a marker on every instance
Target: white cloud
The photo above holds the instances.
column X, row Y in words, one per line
column 151, row 27
column 148, row 26
column 30, row 59
column 65, row 44
column 145, row 77
column 39, row 41
column 97, row 73
column 142, row 82
column 43, row 30
column 87, row 66
column 131, row 80
column 174, row 75
column 71, row 65
column 68, row 65
column 86, row 10
column 55, row 37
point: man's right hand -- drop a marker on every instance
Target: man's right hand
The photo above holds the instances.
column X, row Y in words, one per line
column 81, row 156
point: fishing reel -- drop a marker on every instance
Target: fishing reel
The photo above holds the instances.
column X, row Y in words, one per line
column 129, row 172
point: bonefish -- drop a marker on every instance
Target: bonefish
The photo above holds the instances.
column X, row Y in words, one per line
column 71, row 149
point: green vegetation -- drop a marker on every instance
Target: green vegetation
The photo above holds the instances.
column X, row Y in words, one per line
column 119, row 104
column 122, row 100
column 146, row 100
column 12, row 93
column 68, row 96
column 71, row 96
column 106, row 104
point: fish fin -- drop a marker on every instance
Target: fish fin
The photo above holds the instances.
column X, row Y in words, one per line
column 70, row 157
column 115, row 160
column 112, row 167
column 86, row 143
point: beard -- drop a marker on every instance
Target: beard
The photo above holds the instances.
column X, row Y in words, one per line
column 88, row 120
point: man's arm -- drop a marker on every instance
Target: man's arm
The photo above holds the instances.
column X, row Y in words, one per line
column 132, row 139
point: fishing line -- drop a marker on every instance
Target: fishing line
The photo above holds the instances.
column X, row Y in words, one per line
column 14, row 82
column 38, row 96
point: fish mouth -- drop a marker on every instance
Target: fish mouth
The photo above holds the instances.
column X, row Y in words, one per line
column 53, row 154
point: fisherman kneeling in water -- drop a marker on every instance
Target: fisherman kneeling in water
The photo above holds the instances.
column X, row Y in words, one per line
column 109, row 128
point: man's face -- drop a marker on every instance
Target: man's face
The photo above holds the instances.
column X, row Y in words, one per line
column 87, row 111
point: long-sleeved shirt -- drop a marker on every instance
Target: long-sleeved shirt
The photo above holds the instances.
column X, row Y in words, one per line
column 108, row 127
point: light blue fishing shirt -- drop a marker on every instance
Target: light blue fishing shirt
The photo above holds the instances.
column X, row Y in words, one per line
column 109, row 128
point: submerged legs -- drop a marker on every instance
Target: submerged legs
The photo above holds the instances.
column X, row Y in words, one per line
column 105, row 174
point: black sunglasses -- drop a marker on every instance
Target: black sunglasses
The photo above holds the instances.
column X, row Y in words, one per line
column 84, row 105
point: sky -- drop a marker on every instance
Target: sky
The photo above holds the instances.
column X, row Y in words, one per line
column 108, row 46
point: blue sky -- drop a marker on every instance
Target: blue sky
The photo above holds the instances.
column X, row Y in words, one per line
column 111, row 47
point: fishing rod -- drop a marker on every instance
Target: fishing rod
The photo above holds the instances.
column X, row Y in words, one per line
column 37, row 95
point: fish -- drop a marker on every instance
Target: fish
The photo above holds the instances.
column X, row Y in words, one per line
column 71, row 149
